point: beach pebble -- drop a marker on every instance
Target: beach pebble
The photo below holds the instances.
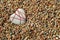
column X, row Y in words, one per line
column 18, row 17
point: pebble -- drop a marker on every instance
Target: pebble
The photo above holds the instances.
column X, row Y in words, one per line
column 56, row 37
column 18, row 17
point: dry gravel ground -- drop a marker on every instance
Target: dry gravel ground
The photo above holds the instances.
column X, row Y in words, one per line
column 43, row 20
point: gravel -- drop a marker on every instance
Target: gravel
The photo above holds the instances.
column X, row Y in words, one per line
column 42, row 23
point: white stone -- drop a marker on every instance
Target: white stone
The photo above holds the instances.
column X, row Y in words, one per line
column 18, row 17
column 56, row 37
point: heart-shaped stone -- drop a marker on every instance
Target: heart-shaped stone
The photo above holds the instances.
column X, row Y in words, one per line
column 18, row 17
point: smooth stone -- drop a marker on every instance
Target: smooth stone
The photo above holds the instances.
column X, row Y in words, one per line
column 18, row 17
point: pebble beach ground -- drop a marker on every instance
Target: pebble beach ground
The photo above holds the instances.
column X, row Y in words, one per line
column 42, row 22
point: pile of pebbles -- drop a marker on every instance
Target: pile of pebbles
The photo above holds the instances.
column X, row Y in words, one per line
column 43, row 20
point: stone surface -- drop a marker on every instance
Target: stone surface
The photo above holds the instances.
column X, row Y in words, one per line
column 18, row 17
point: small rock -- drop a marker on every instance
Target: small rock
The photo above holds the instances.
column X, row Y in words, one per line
column 56, row 37
column 18, row 17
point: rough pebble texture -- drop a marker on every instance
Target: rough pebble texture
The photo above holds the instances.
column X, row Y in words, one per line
column 43, row 20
